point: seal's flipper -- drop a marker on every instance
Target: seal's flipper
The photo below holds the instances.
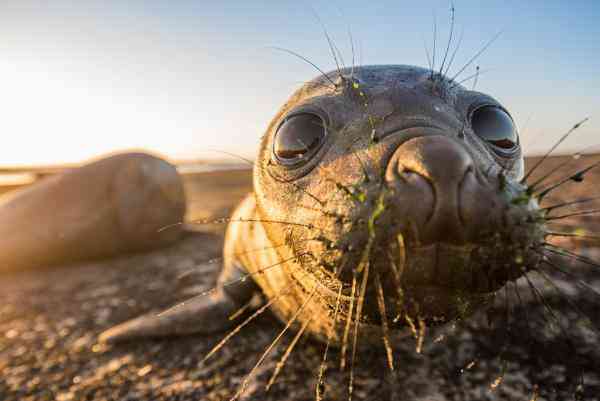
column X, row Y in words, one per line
column 203, row 314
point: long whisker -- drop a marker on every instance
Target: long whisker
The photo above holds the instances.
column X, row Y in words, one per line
column 483, row 49
column 562, row 165
column 250, row 162
column 323, row 367
column 552, row 149
column 557, row 250
column 348, row 321
column 460, row 38
column 243, row 324
column 549, row 209
column 332, row 47
column 232, row 282
column 290, row 348
column 293, row 53
column 576, row 177
column 434, row 43
column 225, row 220
column 567, row 298
column 255, row 250
column 275, row 341
column 427, row 54
column 359, row 306
column 574, row 214
column 577, row 281
column 384, row 322
column 508, row 321
column 557, row 321
column 476, row 75
column 573, row 235
column 449, row 38
column 288, row 352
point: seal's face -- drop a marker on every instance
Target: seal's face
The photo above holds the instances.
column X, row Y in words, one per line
column 400, row 179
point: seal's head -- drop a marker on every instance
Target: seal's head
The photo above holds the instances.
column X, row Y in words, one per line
column 402, row 180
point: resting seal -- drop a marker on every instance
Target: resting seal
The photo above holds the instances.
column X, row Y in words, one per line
column 106, row 207
column 383, row 196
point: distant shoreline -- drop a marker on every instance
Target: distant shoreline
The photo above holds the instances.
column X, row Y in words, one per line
column 14, row 177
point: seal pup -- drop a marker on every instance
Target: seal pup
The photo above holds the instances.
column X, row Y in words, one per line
column 385, row 197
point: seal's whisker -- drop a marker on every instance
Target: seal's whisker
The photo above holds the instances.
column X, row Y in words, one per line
column 455, row 52
column 547, row 307
column 225, row 220
column 479, row 53
column 421, row 334
column 552, row 149
column 397, row 277
column 507, row 335
column 323, row 367
column 275, row 341
column 232, row 282
column 582, row 315
column 561, row 166
column 572, row 235
column 293, row 53
column 350, row 36
column 449, row 37
column 575, row 177
column 326, row 213
column 574, row 361
column 582, row 284
column 310, row 195
column 284, row 292
column 427, row 54
column 287, row 353
column 310, row 226
column 255, row 250
column 298, row 335
column 549, row 209
column 348, row 322
column 476, row 75
column 360, row 161
column 358, row 316
column 335, row 53
column 574, row 214
column 557, row 250
column 234, row 155
column 384, row 321
column 434, row 51
column 531, row 343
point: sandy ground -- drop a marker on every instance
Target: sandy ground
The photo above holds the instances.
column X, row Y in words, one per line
column 49, row 321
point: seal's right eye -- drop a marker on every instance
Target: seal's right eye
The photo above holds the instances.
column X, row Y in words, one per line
column 298, row 137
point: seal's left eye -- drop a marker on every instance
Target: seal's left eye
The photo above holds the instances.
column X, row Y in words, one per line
column 298, row 137
column 494, row 125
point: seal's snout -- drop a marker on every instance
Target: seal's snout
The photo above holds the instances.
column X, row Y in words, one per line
column 439, row 167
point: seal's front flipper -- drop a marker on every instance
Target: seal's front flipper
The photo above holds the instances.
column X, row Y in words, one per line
column 203, row 314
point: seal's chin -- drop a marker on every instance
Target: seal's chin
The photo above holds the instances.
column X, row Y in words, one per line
column 444, row 281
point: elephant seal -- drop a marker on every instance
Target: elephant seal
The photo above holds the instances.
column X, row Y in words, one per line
column 109, row 206
column 384, row 196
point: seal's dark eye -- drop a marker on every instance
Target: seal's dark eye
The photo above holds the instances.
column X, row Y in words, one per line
column 298, row 137
column 495, row 126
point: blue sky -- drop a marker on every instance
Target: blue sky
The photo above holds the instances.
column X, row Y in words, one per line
column 185, row 78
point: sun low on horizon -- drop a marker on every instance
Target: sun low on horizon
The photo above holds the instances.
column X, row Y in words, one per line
column 190, row 80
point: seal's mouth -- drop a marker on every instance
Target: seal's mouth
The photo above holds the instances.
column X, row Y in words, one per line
column 444, row 281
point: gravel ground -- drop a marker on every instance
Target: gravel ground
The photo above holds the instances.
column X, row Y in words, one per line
column 49, row 321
